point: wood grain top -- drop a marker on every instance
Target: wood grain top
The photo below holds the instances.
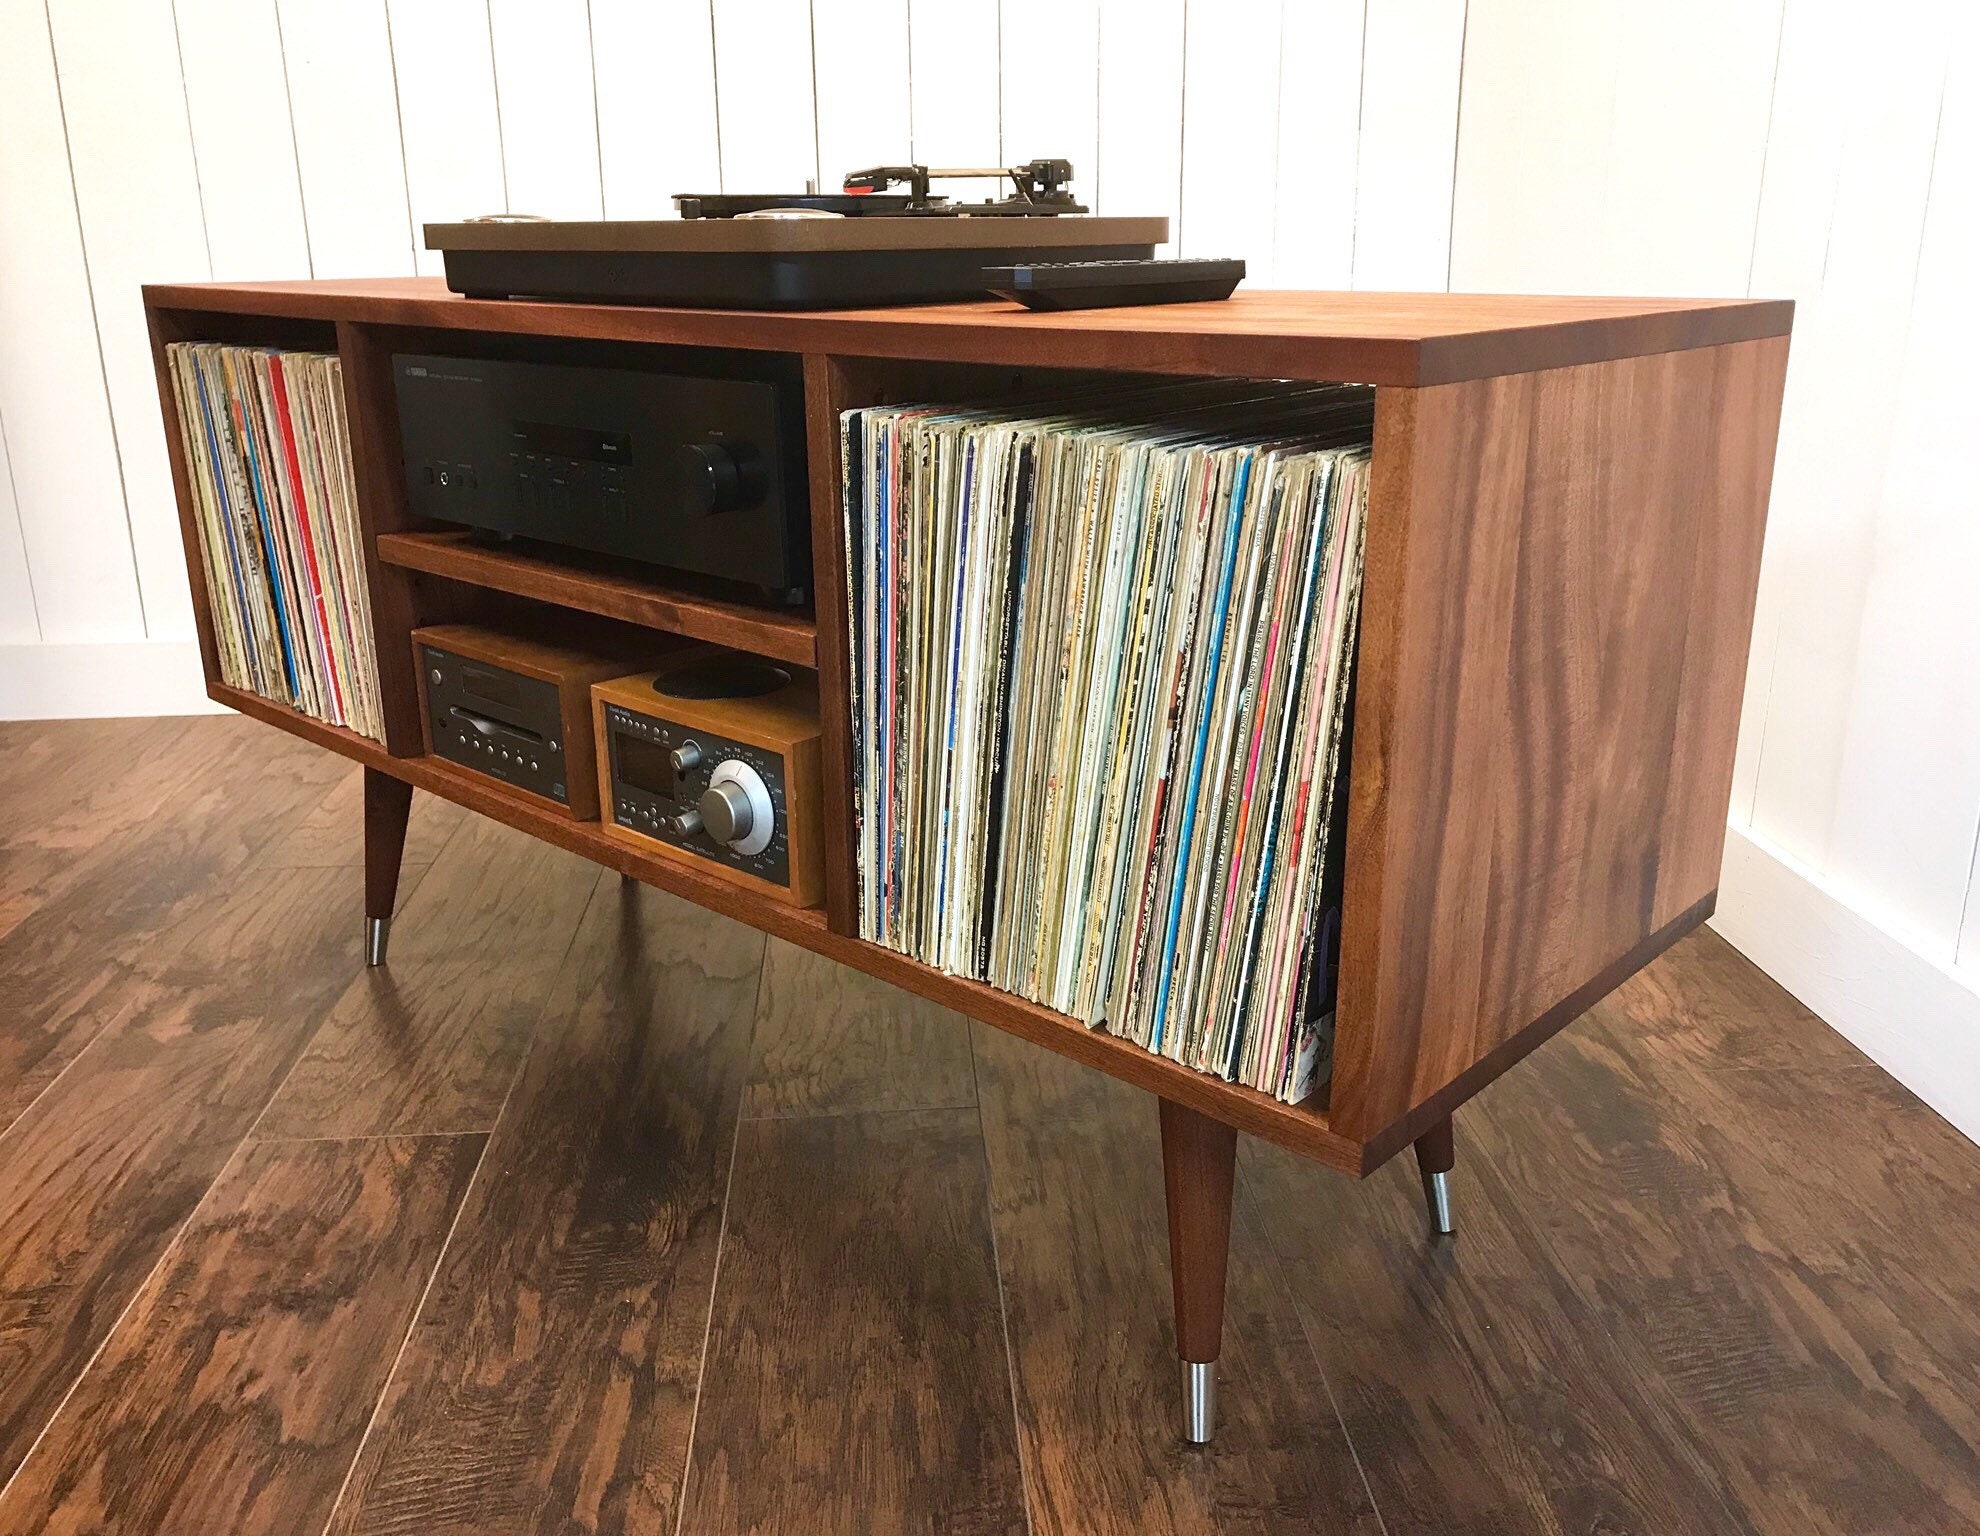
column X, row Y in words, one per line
column 1370, row 338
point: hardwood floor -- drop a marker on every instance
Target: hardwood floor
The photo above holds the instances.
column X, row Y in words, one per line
column 596, row 1213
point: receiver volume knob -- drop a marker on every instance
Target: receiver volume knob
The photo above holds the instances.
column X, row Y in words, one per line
column 736, row 808
column 719, row 477
column 685, row 823
column 687, row 757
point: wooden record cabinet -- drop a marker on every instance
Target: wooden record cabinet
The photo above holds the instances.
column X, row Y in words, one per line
column 1563, row 545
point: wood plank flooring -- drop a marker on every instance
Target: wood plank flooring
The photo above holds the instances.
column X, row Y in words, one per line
column 595, row 1213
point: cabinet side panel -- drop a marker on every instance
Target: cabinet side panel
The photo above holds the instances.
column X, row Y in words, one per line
column 827, row 392
column 1561, row 574
column 1725, row 579
column 164, row 330
column 1430, row 706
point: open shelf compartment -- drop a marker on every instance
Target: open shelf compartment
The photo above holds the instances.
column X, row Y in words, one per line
column 608, row 588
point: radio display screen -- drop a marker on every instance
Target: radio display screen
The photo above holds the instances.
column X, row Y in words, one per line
column 563, row 442
column 644, row 765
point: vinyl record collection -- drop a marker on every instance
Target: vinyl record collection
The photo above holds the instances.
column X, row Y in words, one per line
column 1101, row 661
column 268, row 452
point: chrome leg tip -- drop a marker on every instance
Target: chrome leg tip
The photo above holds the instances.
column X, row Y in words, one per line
column 377, row 932
column 1437, row 1195
column 1199, row 1401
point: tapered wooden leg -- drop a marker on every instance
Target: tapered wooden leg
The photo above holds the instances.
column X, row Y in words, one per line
column 1199, row 1168
column 1436, row 1156
column 387, row 804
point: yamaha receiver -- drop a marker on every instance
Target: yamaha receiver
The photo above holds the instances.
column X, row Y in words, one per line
column 698, row 466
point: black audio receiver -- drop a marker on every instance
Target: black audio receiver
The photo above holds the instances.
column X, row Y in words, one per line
column 699, row 468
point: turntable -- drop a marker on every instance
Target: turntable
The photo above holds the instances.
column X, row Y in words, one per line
column 865, row 245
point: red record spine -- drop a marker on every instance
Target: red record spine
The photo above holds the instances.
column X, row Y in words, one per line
column 301, row 502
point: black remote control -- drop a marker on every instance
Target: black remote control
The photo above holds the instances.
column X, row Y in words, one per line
column 1107, row 284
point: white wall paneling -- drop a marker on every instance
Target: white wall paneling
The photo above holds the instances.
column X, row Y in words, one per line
column 343, row 103
column 1230, row 147
column 763, row 73
column 864, row 41
column 1050, row 91
column 1412, row 69
column 61, row 448
column 1319, row 144
column 1772, row 147
column 1138, row 165
column 1657, row 187
column 137, row 197
column 548, row 101
column 1836, row 433
column 18, row 624
column 229, row 57
column 1908, row 788
column 443, row 59
column 654, row 63
column 954, row 52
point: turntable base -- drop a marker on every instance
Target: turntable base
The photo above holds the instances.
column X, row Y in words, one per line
column 770, row 264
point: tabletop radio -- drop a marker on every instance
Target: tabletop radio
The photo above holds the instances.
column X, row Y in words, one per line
column 517, row 707
column 716, row 759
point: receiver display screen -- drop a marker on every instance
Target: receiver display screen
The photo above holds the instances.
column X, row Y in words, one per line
column 643, row 764
column 575, row 442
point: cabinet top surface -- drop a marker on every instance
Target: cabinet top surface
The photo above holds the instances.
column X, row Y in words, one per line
column 1373, row 338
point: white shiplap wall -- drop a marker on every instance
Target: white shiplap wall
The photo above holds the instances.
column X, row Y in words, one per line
column 1777, row 147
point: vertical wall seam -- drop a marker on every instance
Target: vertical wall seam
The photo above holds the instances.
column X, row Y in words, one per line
column 95, row 323
column 715, row 93
column 1360, row 112
column 20, row 532
column 597, row 122
column 1766, row 149
column 1182, row 133
column 399, row 122
column 501, row 138
column 295, row 147
column 1457, row 141
column 192, row 143
column 817, row 147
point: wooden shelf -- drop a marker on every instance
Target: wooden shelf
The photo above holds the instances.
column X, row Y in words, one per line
column 1299, row 1128
column 636, row 599
column 349, row 743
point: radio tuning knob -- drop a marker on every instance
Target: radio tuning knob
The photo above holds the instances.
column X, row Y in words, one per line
column 725, row 811
column 720, row 477
column 687, row 757
column 737, row 810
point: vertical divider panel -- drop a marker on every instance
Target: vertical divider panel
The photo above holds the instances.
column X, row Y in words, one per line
column 829, row 389
column 375, row 456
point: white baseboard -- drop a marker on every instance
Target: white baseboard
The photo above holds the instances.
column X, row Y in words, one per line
column 1916, row 1017
column 116, row 677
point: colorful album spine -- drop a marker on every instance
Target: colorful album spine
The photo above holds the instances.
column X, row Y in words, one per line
column 312, row 568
